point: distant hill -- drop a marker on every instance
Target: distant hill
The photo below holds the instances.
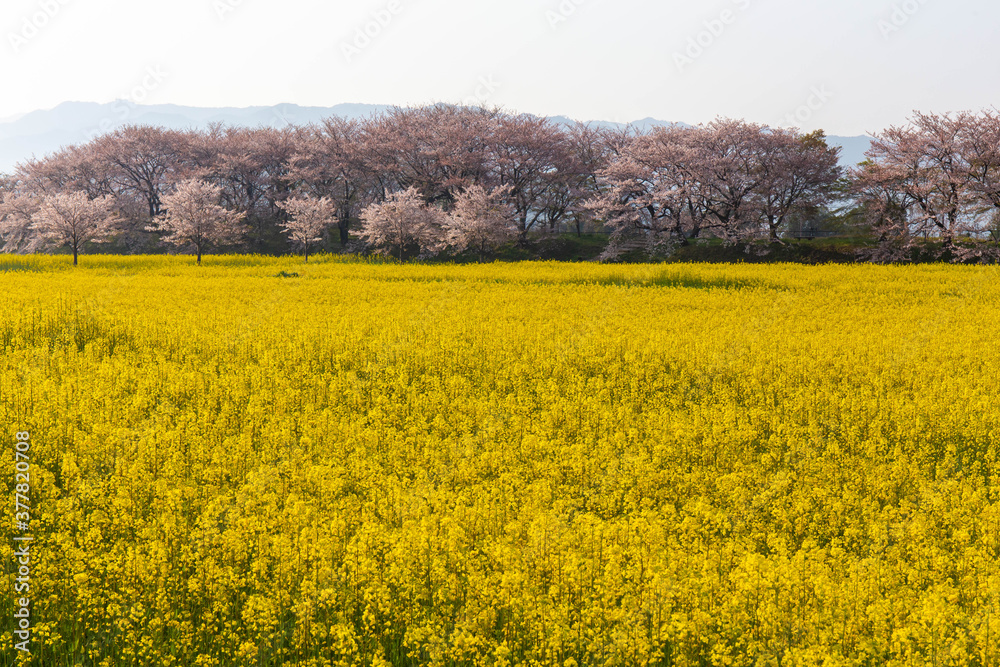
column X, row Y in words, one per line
column 40, row 133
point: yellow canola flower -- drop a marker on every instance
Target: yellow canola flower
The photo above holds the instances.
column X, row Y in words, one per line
column 525, row 464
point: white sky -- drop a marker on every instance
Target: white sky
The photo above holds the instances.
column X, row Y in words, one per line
column 872, row 61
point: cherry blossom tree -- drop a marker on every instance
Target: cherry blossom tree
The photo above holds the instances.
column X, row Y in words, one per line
column 923, row 167
column 591, row 151
column 652, row 186
column 439, row 149
column 980, row 145
column 143, row 161
column 308, row 219
column 17, row 206
column 194, row 218
column 336, row 160
column 885, row 209
column 640, row 191
column 533, row 159
column 251, row 167
column 403, row 221
column 481, row 220
column 71, row 219
column 74, row 168
column 798, row 172
column 727, row 166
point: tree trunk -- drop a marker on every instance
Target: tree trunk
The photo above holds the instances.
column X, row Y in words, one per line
column 343, row 232
column 259, row 240
column 75, row 253
column 948, row 237
column 199, row 256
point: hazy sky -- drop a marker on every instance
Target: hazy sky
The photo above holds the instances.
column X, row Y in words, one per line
column 847, row 66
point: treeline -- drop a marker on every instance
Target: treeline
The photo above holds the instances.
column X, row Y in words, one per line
column 447, row 178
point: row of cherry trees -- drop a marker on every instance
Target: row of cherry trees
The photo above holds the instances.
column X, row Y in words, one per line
column 446, row 177
column 731, row 179
column 544, row 170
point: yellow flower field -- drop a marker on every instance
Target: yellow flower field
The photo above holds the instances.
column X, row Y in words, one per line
column 537, row 464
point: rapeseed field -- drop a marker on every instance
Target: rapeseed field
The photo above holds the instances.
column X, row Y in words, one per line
column 264, row 462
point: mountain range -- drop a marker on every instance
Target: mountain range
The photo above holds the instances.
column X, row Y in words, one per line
column 39, row 133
